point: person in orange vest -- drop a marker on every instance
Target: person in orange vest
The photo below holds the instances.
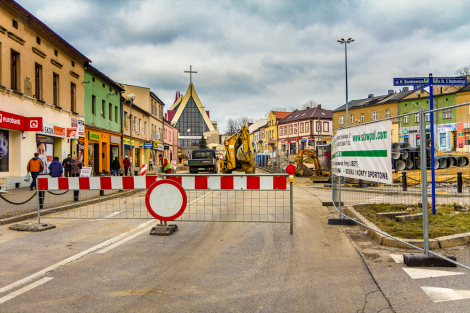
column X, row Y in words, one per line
column 35, row 166
column 166, row 166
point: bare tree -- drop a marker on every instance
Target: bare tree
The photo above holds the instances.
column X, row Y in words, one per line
column 463, row 71
column 231, row 127
column 242, row 121
column 309, row 104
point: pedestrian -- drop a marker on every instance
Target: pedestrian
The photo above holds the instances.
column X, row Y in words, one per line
column 56, row 168
column 166, row 166
column 76, row 167
column 35, row 166
column 151, row 164
column 67, row 165
column 115, row 166
column 127, row 163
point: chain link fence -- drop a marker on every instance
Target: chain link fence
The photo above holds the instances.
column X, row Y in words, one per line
column 426, row 207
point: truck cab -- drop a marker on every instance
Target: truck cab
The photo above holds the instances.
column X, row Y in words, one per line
column 203, row 160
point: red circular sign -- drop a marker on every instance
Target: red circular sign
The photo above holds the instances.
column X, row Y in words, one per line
column 166, row 200
column 290, row 169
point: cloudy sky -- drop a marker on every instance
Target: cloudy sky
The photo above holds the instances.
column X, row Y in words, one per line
column 252, row 56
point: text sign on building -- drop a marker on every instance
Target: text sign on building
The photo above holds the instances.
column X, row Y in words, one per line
column 93, row 136
column 363, row 152
column 148, row 145
column 18, row 122
column 49, row 129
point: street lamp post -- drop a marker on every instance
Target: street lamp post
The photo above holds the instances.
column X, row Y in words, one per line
column 346, row 66
column 130, row 98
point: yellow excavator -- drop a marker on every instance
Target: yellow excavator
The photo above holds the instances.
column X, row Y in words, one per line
column 238, row 156
column 321, row 159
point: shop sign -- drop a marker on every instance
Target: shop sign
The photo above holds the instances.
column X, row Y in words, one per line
column 72, row 133
column 49, row 129
column 156, row 144
column 166, row 147
column 460, row 134
column 18, row 122
column 81, row 128
column 115, row 139
column 127, row 141
column 93, row 136
column 447, row 128
column 74, row 122
column 148, row 145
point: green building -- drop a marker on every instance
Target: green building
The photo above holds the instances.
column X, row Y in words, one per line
column 103, row 115
column 444, row 120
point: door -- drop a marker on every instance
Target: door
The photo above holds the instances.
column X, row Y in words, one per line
column 96, row 158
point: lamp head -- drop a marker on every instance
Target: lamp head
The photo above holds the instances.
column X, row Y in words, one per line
column 130, row 97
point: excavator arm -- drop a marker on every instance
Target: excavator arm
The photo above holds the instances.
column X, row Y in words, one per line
column 238, row 155
column 300, row 162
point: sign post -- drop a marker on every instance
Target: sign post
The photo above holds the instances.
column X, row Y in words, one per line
column 419, row 83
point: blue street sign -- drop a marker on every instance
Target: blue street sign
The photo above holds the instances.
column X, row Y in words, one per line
column 419, row 87
column 449, row 80
column 411, row 81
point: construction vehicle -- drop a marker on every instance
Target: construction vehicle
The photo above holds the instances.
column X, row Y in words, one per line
column 321, row 159
column 238, row 156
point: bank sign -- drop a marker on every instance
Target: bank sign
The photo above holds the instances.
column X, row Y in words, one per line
column 363, row 152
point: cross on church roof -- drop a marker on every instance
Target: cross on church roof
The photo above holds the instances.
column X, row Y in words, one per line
column 190, row 74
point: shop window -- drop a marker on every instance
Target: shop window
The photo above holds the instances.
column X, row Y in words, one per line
column 4, row 150
column 38, row 81
column 73, row 99
column 55, row 88
column 15, row 70
column 93, row 105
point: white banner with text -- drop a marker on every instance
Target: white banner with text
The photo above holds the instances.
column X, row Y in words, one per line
column 363, row 152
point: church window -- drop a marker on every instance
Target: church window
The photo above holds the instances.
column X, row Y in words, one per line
column 191, row 122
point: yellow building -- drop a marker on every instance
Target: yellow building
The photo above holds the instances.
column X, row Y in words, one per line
column 463, row 119
column 41, row 75
column 372, row 109
column 270, row 139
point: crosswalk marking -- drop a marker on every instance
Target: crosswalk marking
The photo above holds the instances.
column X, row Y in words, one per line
column 416, row 273
column 446, row 294
column 398, row 258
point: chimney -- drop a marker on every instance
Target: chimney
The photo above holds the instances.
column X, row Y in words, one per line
column 371, row 95
column 406, row 88
column 390, row 92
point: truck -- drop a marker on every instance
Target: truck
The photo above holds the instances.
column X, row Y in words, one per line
column 203, row 160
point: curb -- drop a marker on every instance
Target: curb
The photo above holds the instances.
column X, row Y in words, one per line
column 66, row 207
column 435, row 243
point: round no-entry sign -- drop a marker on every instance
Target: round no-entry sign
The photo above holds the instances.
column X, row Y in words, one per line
column 166, row 200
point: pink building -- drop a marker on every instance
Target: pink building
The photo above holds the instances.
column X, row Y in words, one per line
column 170, row 140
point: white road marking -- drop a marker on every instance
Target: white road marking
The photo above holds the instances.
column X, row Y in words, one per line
column 397, row 258
column 416, row 273
column 24, row 289
column 115, row 213
column 446, row 294
column 72, row 259
column 124, row 240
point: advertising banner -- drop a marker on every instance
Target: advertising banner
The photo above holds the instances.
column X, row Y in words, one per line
column 85, row 171
column 18, row 122
column 72, row 133
column 81, row 128
column 45, row 149
column 363, row 152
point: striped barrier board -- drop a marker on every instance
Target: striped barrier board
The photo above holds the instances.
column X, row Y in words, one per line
column 96, row 183
column 231, row 182
column 228, row 182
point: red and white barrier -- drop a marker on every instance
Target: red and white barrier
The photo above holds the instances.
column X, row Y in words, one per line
column 143, row 170
column 197, row 182
column 96, row 183
column 231, row 182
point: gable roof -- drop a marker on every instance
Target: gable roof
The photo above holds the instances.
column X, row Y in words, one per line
column 183, row 101
column 382, row 99
column 311, row 113
column 280, row 114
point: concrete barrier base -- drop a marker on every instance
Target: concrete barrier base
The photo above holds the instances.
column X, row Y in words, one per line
column 421, row 259
column 341, row 221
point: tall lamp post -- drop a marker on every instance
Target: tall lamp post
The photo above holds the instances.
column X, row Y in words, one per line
column 346, row 66
column 130, row 98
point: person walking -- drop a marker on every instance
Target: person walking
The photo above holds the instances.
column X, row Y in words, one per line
column 35, row 166
column 67, row 165
column 76, row 167
column 56, row 169
column 151, row 164
column 166, row 166
column 127, row 163
column 115, row 166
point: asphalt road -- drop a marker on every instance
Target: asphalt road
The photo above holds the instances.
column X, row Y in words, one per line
column 113, row 265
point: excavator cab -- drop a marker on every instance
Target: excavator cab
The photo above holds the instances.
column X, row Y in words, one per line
column 321, row 159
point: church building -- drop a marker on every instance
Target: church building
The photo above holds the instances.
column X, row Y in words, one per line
column 188, row 115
